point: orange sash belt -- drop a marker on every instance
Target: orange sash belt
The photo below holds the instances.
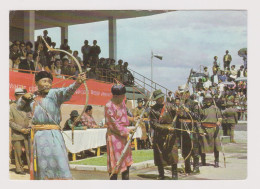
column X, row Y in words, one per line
column 209, row 124
column 187, row 120
column 45, row 127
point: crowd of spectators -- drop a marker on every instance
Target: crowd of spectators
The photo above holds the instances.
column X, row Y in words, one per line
column 23, row 58
column 224, row 84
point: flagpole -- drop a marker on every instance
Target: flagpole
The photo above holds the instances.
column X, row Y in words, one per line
column 151, row 70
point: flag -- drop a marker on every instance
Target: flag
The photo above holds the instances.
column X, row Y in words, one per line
column 158, row 56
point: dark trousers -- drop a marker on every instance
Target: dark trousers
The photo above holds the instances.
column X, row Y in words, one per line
column 226, row 64
column 125, row 175
column 216, row 155
column 18, row 144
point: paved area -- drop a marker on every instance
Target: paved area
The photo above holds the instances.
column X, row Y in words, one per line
column 236, row 166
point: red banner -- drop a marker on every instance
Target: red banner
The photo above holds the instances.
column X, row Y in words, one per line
column 99, row 93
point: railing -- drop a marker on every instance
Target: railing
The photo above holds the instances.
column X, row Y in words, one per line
column 148, row 82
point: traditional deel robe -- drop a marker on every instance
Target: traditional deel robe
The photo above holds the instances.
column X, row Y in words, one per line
column 138, row 112
column 48, row 145
column 230, row 119
column 165, row 143
column 116, row 137
column 209, row 117
column 190, row 141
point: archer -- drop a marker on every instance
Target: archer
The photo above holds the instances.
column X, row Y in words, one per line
column 48, row 156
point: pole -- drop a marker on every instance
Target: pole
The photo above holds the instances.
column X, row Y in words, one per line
column 151, row 70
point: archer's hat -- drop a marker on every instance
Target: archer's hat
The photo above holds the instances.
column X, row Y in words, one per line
column 74, row 113
column 208, row 96
column 157, row 94
column 118, row 89
column 43, row 74
column 139, row 100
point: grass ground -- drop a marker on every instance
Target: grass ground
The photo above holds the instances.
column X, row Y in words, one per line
column 138, row 156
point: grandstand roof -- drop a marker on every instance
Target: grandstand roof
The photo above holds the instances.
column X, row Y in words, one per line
column 61, row 18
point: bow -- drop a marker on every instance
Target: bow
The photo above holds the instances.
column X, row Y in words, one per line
column 85, row 84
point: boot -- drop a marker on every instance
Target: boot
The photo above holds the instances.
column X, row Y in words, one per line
column 161, row 173
column 174, row 172
column 125, row 174
column 196, row 168
column 216, row 154
column 216, row 164
column 203, row 159
column 187, row 166
column 113, row 177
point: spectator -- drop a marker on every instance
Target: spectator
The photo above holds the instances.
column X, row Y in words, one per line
column 207, row 83
column 67, row 69
column 27, row 64
column 53, row 45
column 223, row 77
column 15, row 62
column 199, row 84
column 64, row 47
column 214, row 79
column 169, row 98
column 77, row 126
column 14, row 52
column 216, row 64
column 233, row 73
column 19, row 122
column 57, row 68
column 29, row 47
column 87, row 118
column 85, row 49
column 128, row 78
column 206, row 72
column 22, row 51
column 40, row 59
column 119, row 69
column 47, row 39
column 95, row 51
column 227, row 59
column 241, row 72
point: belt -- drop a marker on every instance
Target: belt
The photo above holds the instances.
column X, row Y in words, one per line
column 187, row 120
column 209, row 124
column 45, row 127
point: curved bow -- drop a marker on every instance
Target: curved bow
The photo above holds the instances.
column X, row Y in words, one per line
column 85, row 84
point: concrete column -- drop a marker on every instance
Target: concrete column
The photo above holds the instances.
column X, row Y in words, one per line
column 29, row 25
column 64, row 33
column 112, row 38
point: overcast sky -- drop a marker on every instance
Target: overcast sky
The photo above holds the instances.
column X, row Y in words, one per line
column 186, row 39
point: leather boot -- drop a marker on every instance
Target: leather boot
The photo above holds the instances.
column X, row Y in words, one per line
column 203, row 159
column 196, row 168
column 216, row 164
column 187, row 166
column 125, row 174
column 161, row 173
column 216, row 154
column 174, row 172
column 113, row 177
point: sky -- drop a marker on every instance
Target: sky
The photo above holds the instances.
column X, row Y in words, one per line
column 185, row 39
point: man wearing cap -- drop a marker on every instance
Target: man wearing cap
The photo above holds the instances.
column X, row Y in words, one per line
column 87, row 118
column 211, row 119
column 227, row 59
column 137, row 112
column 49, row 158
column 165, row 137
column 19, row 122
column 78, row 125
column 117, row 121
column 230, row 119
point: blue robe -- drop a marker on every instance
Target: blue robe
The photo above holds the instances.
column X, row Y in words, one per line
column 49, row 147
